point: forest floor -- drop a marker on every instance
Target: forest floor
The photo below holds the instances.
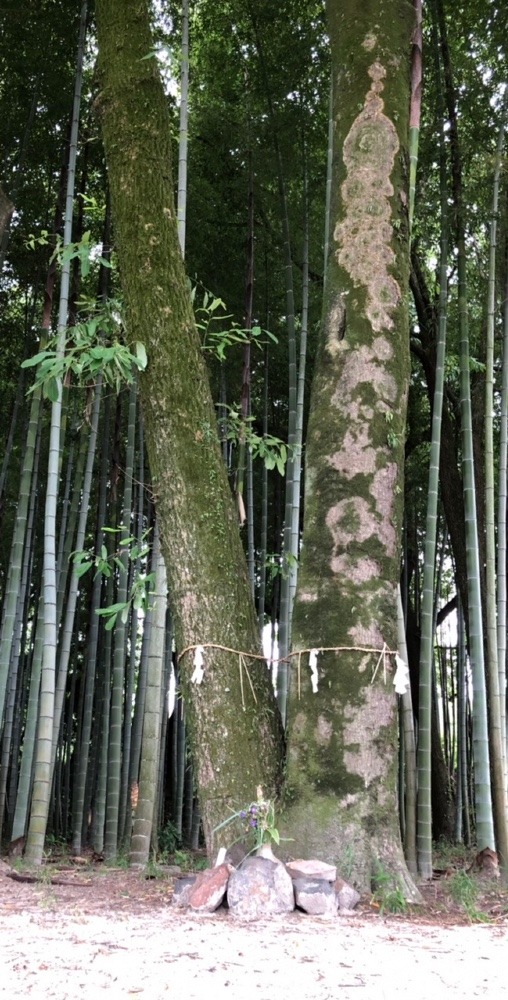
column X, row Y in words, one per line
column 86, row 929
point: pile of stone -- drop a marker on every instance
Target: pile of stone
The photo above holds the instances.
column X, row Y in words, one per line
column 262, row 885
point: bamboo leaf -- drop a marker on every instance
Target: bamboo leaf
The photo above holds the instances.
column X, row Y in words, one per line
column 50, row 390
column 113, row 609
column 37, row 358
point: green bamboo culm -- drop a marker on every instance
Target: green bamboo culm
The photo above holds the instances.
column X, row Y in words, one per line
column 114, row 788
column 495, row 677
column 144, row 808
column 415, row 107
column 292, row 569
column 183, row 129
column 44, row 753
column 424, row 809
column 89, row 681
column 289, row 553
column 502, row 546
column 481, row 754
column 408, row 742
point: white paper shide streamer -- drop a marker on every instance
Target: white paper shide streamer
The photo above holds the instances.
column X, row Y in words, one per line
column 401, row 678
column 314, row 677
column 199, row 672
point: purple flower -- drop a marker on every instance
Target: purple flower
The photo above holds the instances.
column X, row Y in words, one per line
column 243, row 814
column 253, row 823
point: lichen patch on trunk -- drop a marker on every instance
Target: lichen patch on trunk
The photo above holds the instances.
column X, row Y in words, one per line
column 357, row 454
column 382, row 490
column 358, row 571
column 361, row 367
column 350, row 521
column 363, row 756
column 369, row 42
column 363, row 635
column 364, row 235
column 323, row 731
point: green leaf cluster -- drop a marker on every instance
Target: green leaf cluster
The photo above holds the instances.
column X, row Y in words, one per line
column 130, row 549
column 257, row 819
column 92, row 348
column 272, row 450
column 218, row 329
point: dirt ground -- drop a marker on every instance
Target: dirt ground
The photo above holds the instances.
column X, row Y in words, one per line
column 114, row 931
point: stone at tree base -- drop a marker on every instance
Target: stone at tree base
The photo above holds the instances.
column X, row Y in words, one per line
column 347, row 897
column 315, row 896
column 316, row 870
column 260, row 888
column 182, row 890
column 209, row 889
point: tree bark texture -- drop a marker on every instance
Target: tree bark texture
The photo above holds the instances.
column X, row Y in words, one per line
column 232, row 720
column 342, row 742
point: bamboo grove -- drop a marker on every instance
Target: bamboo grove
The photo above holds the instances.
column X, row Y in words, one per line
column 104, row 726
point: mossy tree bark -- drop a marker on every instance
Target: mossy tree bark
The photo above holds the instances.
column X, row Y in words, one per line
column 342, row 741
column 236, row 737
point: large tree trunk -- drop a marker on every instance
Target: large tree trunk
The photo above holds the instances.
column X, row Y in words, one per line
column 234, row 727
column 342, row 767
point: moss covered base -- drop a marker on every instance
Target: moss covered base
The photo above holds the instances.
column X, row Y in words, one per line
column 319, row 828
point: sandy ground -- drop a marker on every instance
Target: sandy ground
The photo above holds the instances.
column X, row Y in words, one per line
column 68, row 943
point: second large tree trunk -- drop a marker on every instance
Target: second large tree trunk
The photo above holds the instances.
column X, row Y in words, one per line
column 342, row 743
column 233, row 722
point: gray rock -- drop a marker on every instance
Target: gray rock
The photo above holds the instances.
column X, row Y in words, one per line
column 347, row 897
column 260, row 888
column 316, row 870
column 182, row 890
column 315, row 896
